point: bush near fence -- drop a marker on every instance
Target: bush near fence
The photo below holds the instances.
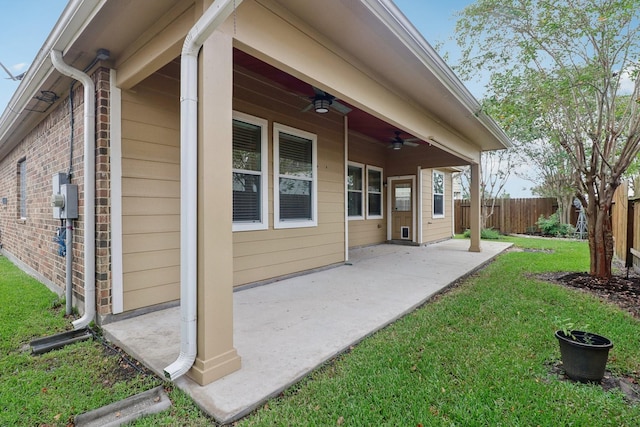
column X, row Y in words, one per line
column 510, row 216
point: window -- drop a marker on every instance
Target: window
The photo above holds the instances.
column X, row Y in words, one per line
column 250, row 207
column 295, row 178
column 374, row 192
column 438, row 194
column 355, row 193
column 22, row 188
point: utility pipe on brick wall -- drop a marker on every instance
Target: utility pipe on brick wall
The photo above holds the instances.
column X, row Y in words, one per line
column 212, row 18
column 89, row 187
column 69, row 265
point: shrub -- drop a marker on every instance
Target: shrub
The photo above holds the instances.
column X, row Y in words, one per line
column 551, row 226
column 485, row 233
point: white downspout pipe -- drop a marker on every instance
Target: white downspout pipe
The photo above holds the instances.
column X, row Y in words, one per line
column 89, row 186
column 212, row 18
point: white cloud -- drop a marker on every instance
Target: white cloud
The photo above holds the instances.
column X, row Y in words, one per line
column 19, row 67
column 626, row 84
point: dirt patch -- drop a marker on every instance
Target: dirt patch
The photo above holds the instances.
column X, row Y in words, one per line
column 627, row 384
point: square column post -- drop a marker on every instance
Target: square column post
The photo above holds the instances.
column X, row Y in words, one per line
column 216, row 355
column 476, row 219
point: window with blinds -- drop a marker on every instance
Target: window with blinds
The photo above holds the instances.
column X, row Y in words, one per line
column 374, row 192
column 354, row 190
column 438, row 194
column 249, row 173
column 294, row 178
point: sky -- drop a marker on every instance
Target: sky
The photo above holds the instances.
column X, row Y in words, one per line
column 26, row 24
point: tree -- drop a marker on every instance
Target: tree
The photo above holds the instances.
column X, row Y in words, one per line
column 554, row 175
column 496, row 167
column 565, row 65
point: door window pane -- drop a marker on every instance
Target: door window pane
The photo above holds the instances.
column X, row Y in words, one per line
column 402, row 197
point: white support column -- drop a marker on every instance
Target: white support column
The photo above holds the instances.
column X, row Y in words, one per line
column 475, row 220
column 216, row 355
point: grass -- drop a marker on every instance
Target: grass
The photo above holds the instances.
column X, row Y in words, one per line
column 477, row 355
column 52, row 388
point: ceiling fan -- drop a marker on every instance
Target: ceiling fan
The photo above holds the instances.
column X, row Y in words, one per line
column 322, row 101
column 397, row 142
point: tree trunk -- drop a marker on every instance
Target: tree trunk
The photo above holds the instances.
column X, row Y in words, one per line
column 565, row 205
column 600, row 238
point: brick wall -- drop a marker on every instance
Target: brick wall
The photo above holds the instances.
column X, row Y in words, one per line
column 103, row 194
column 46, row 150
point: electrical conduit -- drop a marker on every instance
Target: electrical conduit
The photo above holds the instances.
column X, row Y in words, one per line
column 69, row 266
column 89, row 187
column 212, row 18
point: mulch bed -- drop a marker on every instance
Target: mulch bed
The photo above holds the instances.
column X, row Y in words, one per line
column 620, row 290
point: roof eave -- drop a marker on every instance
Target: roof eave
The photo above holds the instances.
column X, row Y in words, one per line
column 74, row 19
column 389, row 13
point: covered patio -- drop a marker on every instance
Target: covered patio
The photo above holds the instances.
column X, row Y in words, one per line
column 287, row 328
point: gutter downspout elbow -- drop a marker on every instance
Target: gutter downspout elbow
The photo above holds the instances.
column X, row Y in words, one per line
column 212, row 18
column 89, row 186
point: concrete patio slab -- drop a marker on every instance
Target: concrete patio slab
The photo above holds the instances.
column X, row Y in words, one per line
column 286, row 329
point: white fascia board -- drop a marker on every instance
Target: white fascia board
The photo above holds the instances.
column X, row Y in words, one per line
column 74, row 19
column 395, row 20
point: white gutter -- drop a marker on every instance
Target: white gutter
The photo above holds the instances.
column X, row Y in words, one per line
column 212, row 18
column 89, row 186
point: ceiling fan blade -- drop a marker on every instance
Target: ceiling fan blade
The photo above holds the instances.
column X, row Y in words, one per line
column 307, row 108
column 340, row 107
column 410, row 144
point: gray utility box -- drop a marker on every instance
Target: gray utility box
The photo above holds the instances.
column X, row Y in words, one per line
column 64, row 199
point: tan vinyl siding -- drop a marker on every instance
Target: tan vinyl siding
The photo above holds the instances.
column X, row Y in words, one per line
column 436, row 229
column 265, row 254
column 363, row 232
column 151, row 193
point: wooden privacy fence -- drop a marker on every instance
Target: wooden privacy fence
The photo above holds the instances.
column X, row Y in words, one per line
column 509, row 215
column 625, row 223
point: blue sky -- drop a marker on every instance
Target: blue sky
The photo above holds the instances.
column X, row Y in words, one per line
column 25, row 25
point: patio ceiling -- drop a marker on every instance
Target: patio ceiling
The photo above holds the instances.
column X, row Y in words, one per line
column 359, row 121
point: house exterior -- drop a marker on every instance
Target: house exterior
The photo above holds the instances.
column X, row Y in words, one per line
column 243, row 180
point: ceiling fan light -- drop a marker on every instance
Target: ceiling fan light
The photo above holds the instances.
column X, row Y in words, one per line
column 321, row 105
column 397, row 145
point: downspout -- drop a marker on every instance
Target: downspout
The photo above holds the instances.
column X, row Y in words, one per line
column 89, row 186
column 212, row 18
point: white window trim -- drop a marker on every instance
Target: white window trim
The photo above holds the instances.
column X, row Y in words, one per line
column 377, row 169
column 264, row 173
column 313, row 222
column 433, row 207
column 362, row 198
column 22, row 189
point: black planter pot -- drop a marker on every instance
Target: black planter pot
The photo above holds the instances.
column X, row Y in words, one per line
column 585, row 357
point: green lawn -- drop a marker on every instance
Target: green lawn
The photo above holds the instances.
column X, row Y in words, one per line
column 477, row 355
column 52, row 388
